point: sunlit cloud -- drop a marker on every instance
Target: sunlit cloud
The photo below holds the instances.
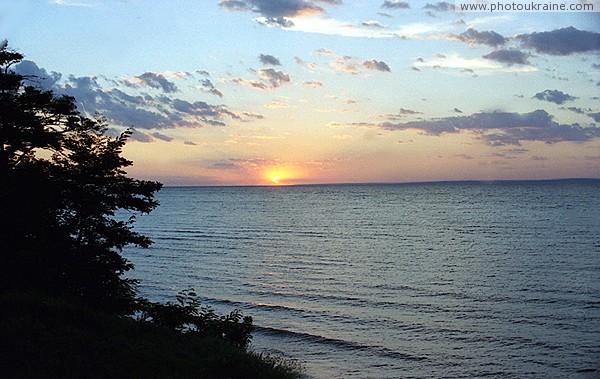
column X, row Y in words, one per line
column 479, row 65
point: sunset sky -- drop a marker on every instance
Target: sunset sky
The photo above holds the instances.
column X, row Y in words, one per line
column 238, row 92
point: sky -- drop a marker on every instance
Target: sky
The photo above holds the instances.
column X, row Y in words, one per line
column 266, row 92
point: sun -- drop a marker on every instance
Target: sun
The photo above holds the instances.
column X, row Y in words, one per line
column 275, row 179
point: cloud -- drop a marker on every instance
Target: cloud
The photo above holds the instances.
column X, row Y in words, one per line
column 138, row 136
column 345, row 63
column 278, row 13
column 395, row 4
column 37, row 77
column 565, row 41
column 509, row 57
column 402, row 113
column 322, row 52
column 275, row 78
column 498, row 128
column 162, row 137
column 207, row 86
column 374, row 24
column 554, row 96
column 440, row 6
column 475, row 37
column 269, row 79
column 68, row 3
column 152, row 80
column 469, row 65
column 376, row 65
column 269, row 60
column 595, row 116
column 314, row 84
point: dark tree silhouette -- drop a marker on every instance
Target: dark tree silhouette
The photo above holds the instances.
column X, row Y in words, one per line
column 62, row 180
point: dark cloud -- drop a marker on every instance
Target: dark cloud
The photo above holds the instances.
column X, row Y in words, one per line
column 313, row 84
column 386, row 15
column 475, row 37
column 554, row 96
column 509, row 57
column 152, row 80
column 376, row 65
column 269, row 60
column 277, row 13
column 189, row 143
column 440, row 6
column 207, row 86
column 269, row 79
column 143, row 111
column 499, row 128
column 162, row 137
column 565, row 41
column 402, row 113
column 395, row 4
column 37, row 77
column 275, row 78
column 456, row 110
column 138, row 136
column 596, row 66
column 575, row 110
column 595, row 116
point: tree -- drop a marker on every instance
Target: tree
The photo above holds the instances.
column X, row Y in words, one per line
column 62, row 182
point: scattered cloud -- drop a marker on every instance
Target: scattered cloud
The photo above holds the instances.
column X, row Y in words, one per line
column 269, row 60
column 278, row 13
column 346, row 63
column 374, row 24
column 497, row 128
column 565, row 41
column 475, row 37
column 207, row 86
column 440, row 6
column 554, row 96
column 71, row 3
column 469, row 65
column 376, row 65
column 595, row 116
column 314, row 84
column 395, row 4
column 123, row 104
column 162, row 137
column 269, row 79
column 509, row 57
column 152, row 80
column 402, row 113
column 323, row 52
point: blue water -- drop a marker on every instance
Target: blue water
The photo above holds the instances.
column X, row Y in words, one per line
column 393, row 281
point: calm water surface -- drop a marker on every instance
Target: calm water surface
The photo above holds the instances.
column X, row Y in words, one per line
column 393, row 281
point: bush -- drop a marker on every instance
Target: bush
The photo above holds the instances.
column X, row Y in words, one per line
column 189, row 316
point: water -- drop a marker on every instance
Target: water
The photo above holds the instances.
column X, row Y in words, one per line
column 388, row 281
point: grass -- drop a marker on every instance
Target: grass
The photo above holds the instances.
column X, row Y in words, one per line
column 52, row 337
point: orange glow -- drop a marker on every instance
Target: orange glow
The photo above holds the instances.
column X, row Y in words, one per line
column 281, row 175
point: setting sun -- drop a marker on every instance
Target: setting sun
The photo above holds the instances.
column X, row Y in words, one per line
column 275, row 179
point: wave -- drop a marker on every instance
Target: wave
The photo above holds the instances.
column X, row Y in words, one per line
column 339, row 343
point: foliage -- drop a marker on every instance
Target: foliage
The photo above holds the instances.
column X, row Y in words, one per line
column 52, row 337
column 188, row 315
column 61, row 181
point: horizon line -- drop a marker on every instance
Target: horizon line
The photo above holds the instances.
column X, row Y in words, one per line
column 482, row 181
